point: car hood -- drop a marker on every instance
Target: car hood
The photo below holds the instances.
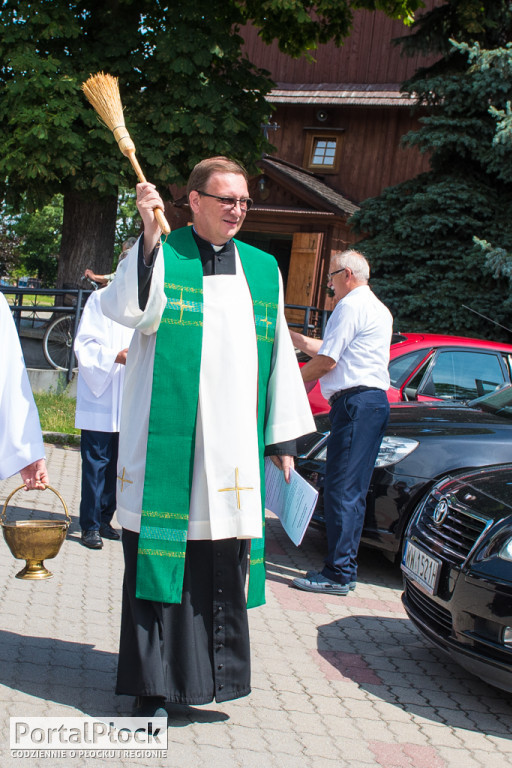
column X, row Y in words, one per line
column 488, row 490
column 430, row 418
column 410, row 419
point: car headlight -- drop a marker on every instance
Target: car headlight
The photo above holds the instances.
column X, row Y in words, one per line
column 392, row 450
column 505, row 551
column 322, row 454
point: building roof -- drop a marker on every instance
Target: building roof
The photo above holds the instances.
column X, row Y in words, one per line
column 343, row 94
column 307, row 186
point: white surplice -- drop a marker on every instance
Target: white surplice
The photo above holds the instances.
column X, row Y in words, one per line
column 100, row 379
column 225, row 498
column 21, row 441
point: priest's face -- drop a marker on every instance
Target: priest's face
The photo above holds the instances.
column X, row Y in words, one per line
column 216, row 220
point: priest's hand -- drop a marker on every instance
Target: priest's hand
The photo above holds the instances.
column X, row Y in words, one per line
column 35, row 475
column 147, row 200
column 285, row 463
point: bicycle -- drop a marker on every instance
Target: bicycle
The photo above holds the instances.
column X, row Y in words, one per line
column 59, row 338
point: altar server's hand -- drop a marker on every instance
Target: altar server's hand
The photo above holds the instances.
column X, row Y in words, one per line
column 285, row 463
column 35, row 475
column 121, row 356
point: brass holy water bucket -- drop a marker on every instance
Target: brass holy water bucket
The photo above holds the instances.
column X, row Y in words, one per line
column 34, row 540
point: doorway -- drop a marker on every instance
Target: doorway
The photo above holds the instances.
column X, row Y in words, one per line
column 280, row 246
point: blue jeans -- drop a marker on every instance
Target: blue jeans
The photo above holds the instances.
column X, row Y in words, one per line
column 358, row 421
column 99, row 470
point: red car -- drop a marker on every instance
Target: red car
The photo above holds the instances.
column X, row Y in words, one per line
column 429, row 366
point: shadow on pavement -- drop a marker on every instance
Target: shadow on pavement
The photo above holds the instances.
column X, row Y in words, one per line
column 281, row 555
column 398, row 667
column 77, row 675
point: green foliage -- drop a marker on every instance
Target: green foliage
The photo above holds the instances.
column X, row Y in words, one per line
column 474, row 21
column 425, row 265
column 426, row 237
column 187, row 90
column 39, row 233
column 9, row 249
column 496, row 65
column 176, row 83
column 299, row 25
column 128, row 219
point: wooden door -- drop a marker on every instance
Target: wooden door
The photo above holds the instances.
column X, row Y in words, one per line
column 303, row 273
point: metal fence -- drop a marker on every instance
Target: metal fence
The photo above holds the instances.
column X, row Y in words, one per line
column 38, row 317
column 310, row 321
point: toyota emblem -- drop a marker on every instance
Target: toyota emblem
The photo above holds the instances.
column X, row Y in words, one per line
column 440, row 512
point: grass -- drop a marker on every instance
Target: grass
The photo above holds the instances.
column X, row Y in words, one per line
column 57, row 414
column 42, row 299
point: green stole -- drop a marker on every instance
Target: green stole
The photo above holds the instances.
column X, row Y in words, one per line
column 172, row 418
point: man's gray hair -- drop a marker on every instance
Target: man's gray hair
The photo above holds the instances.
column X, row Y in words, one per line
column 129, row 242
column 355, row 261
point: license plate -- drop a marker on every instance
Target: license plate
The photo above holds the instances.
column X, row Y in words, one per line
column 421, row 567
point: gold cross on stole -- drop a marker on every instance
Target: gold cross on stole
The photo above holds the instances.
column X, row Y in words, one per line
column 180, row 304
column 267, row 322
column 123, row 479
column 237, row 489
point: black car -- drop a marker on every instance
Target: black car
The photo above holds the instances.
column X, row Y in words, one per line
column 457, row 564
column 423, row 443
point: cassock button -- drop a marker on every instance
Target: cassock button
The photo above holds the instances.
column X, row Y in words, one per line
column 221, row 687
column 219, row 591
column 219, row 629
column 219, row 609
column 218, row 574
column 220, row 646
column 218, row 554
column 221, row 666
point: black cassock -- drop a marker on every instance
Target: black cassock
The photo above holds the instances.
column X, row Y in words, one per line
column 197, row 651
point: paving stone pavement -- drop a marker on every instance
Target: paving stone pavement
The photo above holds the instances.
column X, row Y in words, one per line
column 337, row 681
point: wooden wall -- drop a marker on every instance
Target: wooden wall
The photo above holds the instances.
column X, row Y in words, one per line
column 367, row 56
column 371, row 156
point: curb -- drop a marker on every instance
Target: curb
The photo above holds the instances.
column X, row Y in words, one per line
column 61, row 438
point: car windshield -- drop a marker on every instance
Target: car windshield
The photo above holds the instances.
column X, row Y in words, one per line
column 499, row 402
column 400, row 367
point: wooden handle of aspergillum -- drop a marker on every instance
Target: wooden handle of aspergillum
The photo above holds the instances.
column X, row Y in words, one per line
column 127, row 147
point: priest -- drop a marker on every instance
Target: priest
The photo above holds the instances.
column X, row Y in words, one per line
column 21, row 441
column 212, row 385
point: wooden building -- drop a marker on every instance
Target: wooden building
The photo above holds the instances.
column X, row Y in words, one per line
column 336, row 124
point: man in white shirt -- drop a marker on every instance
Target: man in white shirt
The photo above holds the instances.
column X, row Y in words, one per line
column 21, row 441
column 101, row 346
column 352, row 365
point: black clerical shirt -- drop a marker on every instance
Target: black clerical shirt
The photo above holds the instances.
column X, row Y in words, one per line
column 215, row 262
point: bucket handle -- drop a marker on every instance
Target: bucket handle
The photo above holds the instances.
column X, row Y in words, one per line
column 19, row 488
